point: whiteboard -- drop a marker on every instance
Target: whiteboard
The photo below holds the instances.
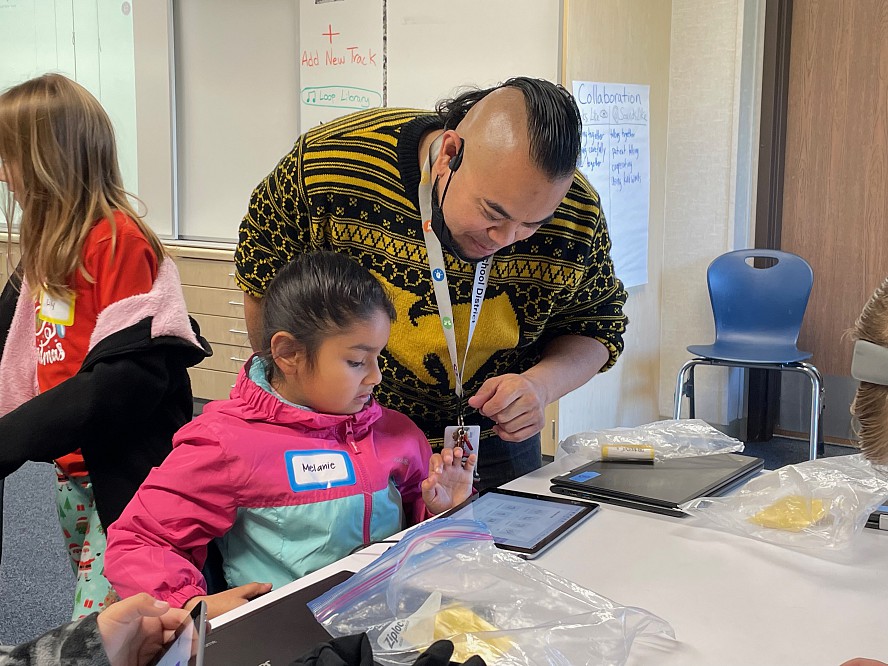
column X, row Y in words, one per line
column 238, row 107
column 421, row 50
column 92, row 42
column 31, row 45
column 434, row 47
column 340, row 58
column 104, row 62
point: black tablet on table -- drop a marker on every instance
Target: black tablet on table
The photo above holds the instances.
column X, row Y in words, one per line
column 523, row 523
column 276, row 633
column 662, row 486
column 878, row 519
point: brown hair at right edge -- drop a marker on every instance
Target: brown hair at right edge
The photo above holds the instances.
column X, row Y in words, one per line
column 870, row 404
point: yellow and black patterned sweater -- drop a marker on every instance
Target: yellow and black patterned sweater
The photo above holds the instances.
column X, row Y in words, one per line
column 351, row 186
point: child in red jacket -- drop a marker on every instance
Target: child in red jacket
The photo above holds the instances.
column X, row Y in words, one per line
column 93, row 375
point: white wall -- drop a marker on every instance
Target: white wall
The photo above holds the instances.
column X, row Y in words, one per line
column 436, row 48
column 708, row 150
column 633, row 48
column 702, row 173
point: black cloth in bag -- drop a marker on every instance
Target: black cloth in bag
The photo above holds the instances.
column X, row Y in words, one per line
column 356, row 651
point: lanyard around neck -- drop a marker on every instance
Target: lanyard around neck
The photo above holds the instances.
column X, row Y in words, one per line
column 439, row 281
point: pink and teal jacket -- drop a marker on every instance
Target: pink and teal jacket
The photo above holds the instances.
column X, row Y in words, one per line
column 285, row 490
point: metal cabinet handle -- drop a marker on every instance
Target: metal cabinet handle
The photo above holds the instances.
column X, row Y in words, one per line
column 237, row 303
column 238, row 360
column 237, row 331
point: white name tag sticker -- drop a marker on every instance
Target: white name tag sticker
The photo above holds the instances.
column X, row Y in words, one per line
column 56, row 310
column 318, row 469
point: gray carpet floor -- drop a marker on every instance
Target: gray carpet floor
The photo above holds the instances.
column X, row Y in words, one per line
column 36, row 582
column 780, row 451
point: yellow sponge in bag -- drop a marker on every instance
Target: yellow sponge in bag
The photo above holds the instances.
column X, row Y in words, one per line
column 456, row 622
column 792, row 513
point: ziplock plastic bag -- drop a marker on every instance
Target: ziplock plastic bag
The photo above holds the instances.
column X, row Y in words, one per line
column 446, row 579
column 660, row 440
column 821, row 503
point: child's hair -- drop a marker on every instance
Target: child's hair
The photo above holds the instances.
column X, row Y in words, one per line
column 57, row 145
column 870, row 404
column 315, row 296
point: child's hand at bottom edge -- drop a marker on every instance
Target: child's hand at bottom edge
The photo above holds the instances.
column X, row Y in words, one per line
column 134, row 630
column 450, row 480
column 223, row 602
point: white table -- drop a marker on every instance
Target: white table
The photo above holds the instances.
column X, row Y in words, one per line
column 731, row 600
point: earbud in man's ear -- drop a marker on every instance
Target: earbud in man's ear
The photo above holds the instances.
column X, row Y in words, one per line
column 456, row 160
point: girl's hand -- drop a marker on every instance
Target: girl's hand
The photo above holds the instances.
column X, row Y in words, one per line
column 223, row 602
column 449, row 482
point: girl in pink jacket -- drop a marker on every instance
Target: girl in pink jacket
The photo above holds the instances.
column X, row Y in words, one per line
column 300, row 466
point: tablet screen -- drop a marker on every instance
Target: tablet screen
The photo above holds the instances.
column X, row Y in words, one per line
column 523, row 521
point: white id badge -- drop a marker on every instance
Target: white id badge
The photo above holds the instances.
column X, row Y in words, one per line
column 470, row 439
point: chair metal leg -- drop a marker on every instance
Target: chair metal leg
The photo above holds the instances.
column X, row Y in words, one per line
column 679, row 391
column 680, row 386
column 816, row 405
column 684, row 385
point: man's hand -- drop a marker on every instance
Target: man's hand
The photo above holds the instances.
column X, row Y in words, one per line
column 229, row 599
column 448, row 483
column 134, row 630
column 515, row 403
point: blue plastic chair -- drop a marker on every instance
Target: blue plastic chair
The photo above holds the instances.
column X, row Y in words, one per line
column 758, row 314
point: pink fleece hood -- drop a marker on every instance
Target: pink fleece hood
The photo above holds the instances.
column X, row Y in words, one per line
column 164, row 304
